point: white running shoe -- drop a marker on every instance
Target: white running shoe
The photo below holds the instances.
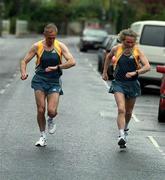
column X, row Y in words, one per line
column 51, row 126
column 122, row 142
column 126, row 132
column 41, row 142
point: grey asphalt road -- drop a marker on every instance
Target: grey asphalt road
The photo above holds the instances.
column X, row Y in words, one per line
column 85, row 144
column 11, row 51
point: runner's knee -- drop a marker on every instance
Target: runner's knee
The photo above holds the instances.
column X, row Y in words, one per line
column 121, row 111
column 41, row 110
column 129, row 113
column 52, row 113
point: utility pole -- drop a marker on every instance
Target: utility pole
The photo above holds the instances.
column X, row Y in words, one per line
column 1, row 15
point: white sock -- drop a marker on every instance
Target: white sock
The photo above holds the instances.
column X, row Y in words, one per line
column 43, row 134
column 50, row 119
column 126, row 126
column 121, row 132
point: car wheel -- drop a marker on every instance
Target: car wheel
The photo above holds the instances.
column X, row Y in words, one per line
column 161, row 115
column 142, row 86
column 100, row 65
column 110, row 72
column 83, row 50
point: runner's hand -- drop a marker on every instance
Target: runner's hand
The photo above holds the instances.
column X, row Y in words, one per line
column 105, row 76
column 130, row 74
column 24, row 76
column 51, row 68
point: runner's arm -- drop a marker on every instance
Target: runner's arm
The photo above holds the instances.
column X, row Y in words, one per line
column 70, row 61
column 107, row 61
column 26, row 60
column 145, row 64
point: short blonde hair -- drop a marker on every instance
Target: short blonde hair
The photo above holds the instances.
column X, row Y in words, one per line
column 50, row 28
column 127, row 32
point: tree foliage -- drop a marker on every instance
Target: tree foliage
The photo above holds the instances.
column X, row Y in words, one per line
column 121, row 13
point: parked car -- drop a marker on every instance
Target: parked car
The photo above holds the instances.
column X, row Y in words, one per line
column 102, row 51
column 161, row 111
column 151, row 40
column 92, row 38
column 106, row 47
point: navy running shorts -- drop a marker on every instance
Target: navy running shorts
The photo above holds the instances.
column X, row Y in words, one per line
column 131, row 89
column 46, row 85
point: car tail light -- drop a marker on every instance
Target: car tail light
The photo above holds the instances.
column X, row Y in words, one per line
column 160, row 69
column 163, row 91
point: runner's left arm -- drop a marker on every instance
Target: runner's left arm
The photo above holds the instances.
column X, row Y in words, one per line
column 145, row 63
column 70, row 61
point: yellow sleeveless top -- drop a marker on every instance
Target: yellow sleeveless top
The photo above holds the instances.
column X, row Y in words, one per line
column 135, row 53
column 40, row 50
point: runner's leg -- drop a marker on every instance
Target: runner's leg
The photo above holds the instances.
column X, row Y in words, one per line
column 120, row 101
column 40, row 102
column 129, row 105
column 53, row 101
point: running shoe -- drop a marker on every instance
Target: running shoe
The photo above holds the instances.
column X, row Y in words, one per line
column 122, row 142
column 126, row 132
column 41, row 142
column 51, row 126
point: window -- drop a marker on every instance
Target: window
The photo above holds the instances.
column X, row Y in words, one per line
column 153, row 36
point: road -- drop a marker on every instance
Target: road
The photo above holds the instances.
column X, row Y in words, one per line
column 85, row 144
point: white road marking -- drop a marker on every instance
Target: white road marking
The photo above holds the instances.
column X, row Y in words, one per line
column 161, row 151
column 86, row 59
column 135, row 118
column 106, row 84
column 154, row 142
column 103, row 113
column 156, row 145
column 14, row 75
column 7, row 85
column 2, row 91
column 90, row 65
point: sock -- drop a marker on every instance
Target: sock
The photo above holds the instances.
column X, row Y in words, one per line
column 126, row 126
column 121, row 132
column 50, row 119
column 43, row 134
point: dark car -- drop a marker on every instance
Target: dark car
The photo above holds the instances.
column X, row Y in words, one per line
column 161, row 112
column 92, row 38
column 106, row 47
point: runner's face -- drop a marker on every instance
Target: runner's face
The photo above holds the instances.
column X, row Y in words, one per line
column 50, row 37
column 129, row 42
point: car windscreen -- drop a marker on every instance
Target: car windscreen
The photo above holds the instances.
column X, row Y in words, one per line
column 95, row 32
column 153, row 35
column 106, row 42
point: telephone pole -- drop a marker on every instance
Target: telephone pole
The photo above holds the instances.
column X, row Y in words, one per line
column 1, row 15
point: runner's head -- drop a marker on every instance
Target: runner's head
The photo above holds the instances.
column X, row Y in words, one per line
column 50, row 32
column 128, row 37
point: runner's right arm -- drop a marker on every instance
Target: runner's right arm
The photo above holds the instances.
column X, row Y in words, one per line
column 107, row 61
column 26, row 60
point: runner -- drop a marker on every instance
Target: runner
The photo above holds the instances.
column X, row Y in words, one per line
column 128, row 61
column 46, row 81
